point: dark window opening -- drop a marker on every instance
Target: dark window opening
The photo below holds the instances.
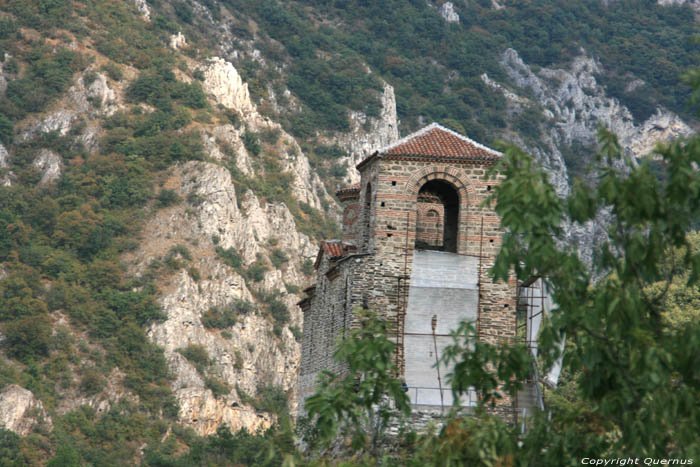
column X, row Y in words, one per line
column 366, row 216
column 437, row 222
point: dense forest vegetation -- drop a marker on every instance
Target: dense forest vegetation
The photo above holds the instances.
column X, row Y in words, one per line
column 61, row 244
column 435, row 66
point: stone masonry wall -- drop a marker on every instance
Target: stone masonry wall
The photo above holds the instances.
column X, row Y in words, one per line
column 377, row 277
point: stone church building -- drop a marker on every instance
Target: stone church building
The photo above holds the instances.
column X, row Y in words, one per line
column 417, row 246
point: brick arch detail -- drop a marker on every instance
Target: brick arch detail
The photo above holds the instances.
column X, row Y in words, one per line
column 462, row 184
column 458, row 180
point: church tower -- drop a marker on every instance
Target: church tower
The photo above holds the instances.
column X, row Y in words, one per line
column 418, row 241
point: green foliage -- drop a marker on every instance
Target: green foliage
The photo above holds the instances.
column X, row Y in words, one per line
column 251, row 143
column 27, row 339
column 244, row 396
column 180, row 250
column 114, row 71
column 183, row 11
column 159, row 88
column 272, row 399
column 278, row 258
column 153, row 137
column 167, row 198
column 267, row 449
column 48, row 76
column 438, row 76
column 218, row 387
column 278, row 310
column 296, row 332
column 6, row 130
column 195, row 199
column 197, row 355
column 11, row 454
column 229, row 256
column 680, row 304
column 92, row 382
column 238, row 360
column 358, row 402
column 66, row 456
column 93, row 439
column 307, row 267
column 256, row 270
column 632, row 367
column 221, row 317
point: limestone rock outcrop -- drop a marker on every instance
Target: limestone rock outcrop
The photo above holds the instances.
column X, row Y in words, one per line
column 5, row 174
column 223, row 82
column 20, row 411
column 694, row 4
column 248, row 354
column 177, row 41
column 143, row 8
column 575, row 104
column 448, row 13
column 367, row 134
column 49, row 164
column 81, row 101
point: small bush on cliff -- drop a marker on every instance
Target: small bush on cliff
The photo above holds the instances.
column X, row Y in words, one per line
column 167, row 198
column 197, row 355
column 229, row 256
column 278, row 258
column 225, row 316
column 256, row 271
column 217, row 386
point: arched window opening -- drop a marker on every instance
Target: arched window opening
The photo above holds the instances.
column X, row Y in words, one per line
column 437, row 217
column 366, row 216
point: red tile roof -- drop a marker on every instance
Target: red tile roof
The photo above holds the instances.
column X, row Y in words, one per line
column 351, row 191
column 436, row 141
column 334, row 249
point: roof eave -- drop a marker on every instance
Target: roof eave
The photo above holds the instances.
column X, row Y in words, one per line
column 441, row 158
column 367, row 160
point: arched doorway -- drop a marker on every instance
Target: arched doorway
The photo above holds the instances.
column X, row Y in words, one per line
column 437, row 217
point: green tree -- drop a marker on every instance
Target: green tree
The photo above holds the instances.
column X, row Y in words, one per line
column 368, row 396
column 635, row 373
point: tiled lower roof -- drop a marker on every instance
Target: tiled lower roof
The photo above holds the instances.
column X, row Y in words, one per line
column 349, row 191
column 334, row 249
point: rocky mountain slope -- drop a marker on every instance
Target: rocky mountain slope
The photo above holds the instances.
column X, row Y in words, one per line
column 162, row 203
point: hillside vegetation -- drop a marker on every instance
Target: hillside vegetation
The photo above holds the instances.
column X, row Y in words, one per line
column 74, row 318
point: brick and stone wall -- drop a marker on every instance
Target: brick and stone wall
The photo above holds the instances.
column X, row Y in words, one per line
column 388, row 220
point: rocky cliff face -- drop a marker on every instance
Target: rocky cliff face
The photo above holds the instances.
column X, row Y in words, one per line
column 21, row 412
column 367, row 134
column 574, row 105
column 247, row 354
column 5, row 175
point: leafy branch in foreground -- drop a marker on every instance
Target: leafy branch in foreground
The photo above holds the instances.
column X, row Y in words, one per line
column 368, row 396
column 634, row 369
column 632, row 383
